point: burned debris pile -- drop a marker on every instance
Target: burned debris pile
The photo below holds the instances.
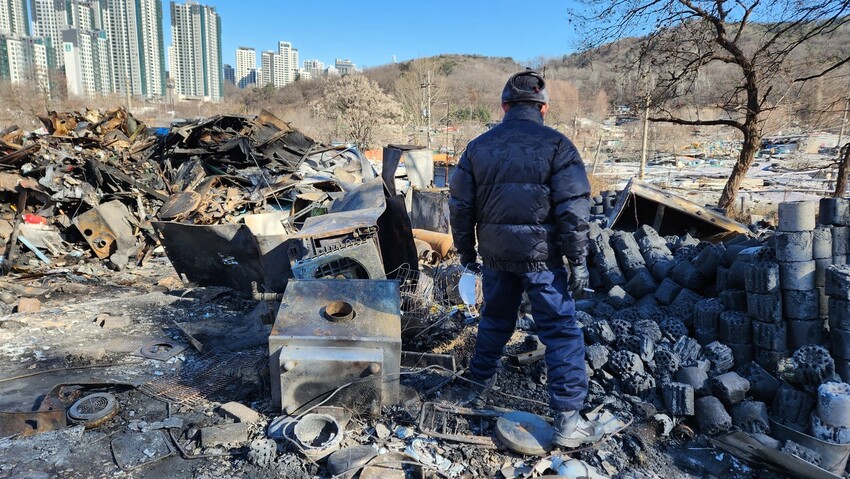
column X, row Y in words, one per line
column 344, row 311
column 105, row 177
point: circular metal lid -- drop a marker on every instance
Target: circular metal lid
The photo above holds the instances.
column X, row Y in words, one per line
column 525, row 433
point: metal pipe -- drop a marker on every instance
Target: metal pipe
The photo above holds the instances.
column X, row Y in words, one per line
column 256, row 295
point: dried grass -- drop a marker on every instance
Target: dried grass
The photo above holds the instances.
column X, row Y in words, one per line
column 598, row 184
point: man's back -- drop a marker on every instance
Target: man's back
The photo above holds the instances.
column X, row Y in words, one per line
column 530, row 194
column 523, row 189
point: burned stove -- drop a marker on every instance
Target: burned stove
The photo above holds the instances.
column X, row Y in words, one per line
column 352, row 259
column 338, row 340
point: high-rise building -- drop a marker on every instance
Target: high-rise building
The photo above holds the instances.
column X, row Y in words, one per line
column 345, row 67
column 196, row 35
column 315, row 68
column 14, row 19
column 288, row 63
column 229, row 74
column 86, row 58
column 49, row 19
column 265, row 75
column 26, row 59
column 86, row 14
column 85, row 46
column 134, row 30
column 246, row 66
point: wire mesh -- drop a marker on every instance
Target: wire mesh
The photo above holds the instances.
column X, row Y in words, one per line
column 428, row 296
column 198, row 380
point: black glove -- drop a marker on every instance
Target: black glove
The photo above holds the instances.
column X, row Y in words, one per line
column 473, row 267
column 579, row 278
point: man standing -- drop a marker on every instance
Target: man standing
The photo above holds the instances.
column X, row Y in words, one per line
column 522, row 188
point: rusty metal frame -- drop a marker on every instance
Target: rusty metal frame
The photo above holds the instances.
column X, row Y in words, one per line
column 438, row 414
column 27, row 423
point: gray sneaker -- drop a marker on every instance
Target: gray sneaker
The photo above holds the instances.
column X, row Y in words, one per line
column 571, row 430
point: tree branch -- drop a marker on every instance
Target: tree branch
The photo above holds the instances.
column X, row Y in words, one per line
column 744, row 19
column 681, row 121
column 818, row 75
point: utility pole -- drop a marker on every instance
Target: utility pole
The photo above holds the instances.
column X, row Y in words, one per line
column 843, row 121
column 643, row 145
column 446, row 171
column 596, row 156
column 129, row 94
column 428, row 85
column 427, row 88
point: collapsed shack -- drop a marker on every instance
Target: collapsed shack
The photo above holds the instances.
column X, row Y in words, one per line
column 642, row 204
column 320, row 334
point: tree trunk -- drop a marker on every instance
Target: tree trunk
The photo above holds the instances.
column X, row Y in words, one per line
column 843, row 165
column 752, row 142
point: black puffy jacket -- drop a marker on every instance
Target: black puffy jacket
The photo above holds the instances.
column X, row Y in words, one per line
column 523, row 188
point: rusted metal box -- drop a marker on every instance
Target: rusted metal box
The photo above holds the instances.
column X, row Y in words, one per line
column 333, row 333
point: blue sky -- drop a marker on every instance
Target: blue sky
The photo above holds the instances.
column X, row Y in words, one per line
column 371, row 32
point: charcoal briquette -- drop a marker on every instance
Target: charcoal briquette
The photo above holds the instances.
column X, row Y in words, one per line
column 734, row 327
column 712, row 416
column 761, row 277
column 797, row 215
column 800, row 304
column 766, row 308
column 763, row 385
column 679, row 398
column 720, row 356
column 751, row 417
column 770, row 335
column 802, row 332
column 791, row 406
column 822, row 242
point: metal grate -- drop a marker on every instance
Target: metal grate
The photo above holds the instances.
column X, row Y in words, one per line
column 341, row 268
column 197, row 381
column 455, row 423
column 92, row 404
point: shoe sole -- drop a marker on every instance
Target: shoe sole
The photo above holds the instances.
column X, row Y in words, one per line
column 572, row 443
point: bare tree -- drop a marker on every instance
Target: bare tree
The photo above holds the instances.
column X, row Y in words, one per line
column 843, row 167
column 363, row 112
column 411, row 90
column 748, row 40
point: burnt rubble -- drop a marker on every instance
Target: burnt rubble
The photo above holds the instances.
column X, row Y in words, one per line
column 104, row 178
column 331, row 292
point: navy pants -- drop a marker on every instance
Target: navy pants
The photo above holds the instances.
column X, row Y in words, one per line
column 554, row 314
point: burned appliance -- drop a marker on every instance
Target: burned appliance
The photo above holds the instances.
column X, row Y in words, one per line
column 349, row 253
column 343, row 244
column 339, row 338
